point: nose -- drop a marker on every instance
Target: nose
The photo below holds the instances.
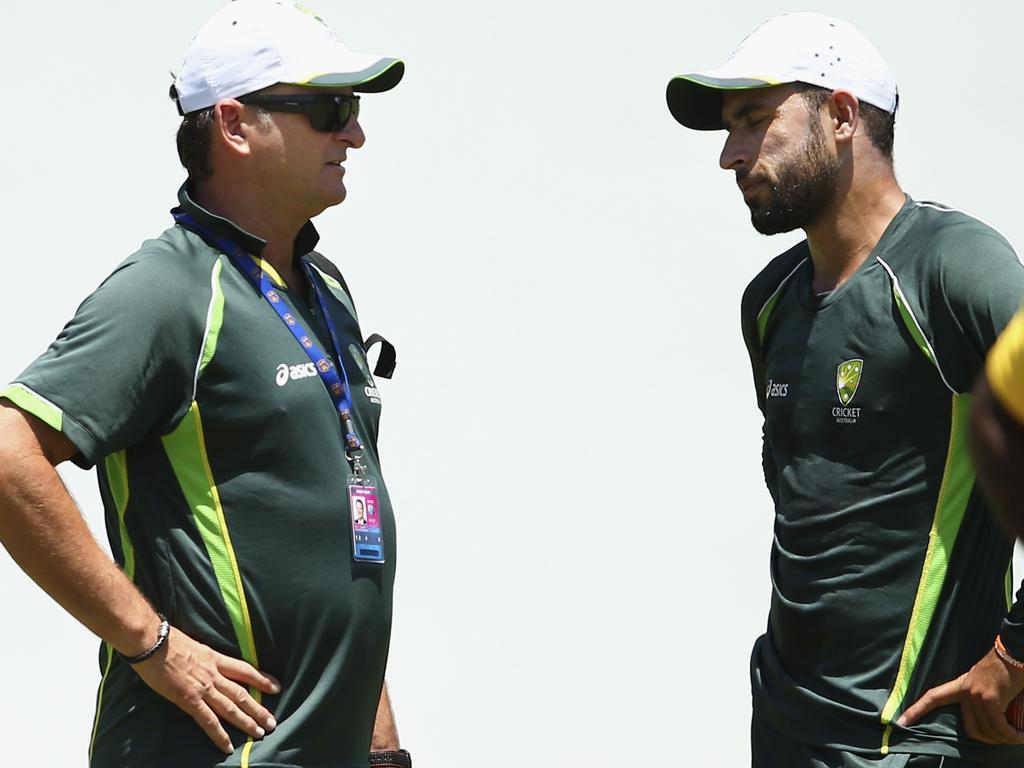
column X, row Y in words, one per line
column 352, row 134
column 734, row 155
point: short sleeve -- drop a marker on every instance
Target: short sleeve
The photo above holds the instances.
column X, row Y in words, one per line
column 124, row 367
column 1005, row 367
column 975, row 290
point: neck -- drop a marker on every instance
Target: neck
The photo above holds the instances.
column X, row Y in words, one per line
column 850, row 230
column 275, row 227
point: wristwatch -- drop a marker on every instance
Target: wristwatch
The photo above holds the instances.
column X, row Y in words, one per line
column 398, row 758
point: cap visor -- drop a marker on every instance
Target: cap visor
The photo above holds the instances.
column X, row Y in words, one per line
column 695, row 100
column 382, row 75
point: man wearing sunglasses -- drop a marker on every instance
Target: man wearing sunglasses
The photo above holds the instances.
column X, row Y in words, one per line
column 891, row 640
column 217, row 379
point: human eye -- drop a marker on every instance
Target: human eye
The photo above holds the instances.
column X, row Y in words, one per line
column 759, row 118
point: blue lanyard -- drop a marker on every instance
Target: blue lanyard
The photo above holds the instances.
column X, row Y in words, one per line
column 337, row 386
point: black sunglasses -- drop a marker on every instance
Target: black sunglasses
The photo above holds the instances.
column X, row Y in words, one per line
column 326, row 111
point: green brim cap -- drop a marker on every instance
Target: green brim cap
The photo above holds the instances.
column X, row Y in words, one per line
column 791, row 48
column 382, row 75
column 695, row 100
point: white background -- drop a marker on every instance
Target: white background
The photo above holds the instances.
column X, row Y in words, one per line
column 560, row 265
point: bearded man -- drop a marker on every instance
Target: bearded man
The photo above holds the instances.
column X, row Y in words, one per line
column 891, row 639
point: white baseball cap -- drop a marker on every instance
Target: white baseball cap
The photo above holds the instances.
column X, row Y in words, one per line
column 792, row 48
column 251, row 44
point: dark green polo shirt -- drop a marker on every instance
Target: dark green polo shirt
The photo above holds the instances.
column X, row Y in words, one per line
column 223, row 476
column 888, row 574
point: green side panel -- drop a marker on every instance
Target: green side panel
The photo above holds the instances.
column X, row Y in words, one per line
column 29, row 401
column 957, row 483
column 214, row 320
column 99, row 700
column 186, row 450
column 766, row 310
column 911, row 323
column 764, row 314
column 117, row 475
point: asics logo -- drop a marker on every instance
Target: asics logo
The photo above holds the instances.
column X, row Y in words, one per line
column 286, row 373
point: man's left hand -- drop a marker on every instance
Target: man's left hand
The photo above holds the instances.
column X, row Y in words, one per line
column 983, row 694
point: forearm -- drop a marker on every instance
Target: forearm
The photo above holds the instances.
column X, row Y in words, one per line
column 44, row 532
column 42, row 529
column 385, row 732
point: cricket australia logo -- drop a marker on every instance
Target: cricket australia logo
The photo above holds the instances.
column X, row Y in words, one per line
column 370, row 390
column 848, row 376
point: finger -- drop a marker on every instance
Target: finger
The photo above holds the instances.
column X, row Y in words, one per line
column 978, row 725
column 207, row 719
column 970, row 723
column 939, row 696
column 1005, row 733
column 243, row 672
column 995, row 728
column 231, row 713
column 241, row 698
column 984, row 722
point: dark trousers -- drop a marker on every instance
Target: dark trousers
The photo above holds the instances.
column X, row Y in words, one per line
column 770, row 749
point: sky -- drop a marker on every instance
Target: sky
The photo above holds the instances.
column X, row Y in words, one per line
column 584, row 541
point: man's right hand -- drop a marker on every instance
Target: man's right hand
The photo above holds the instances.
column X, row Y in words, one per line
column 42, row 529
column 205, row 685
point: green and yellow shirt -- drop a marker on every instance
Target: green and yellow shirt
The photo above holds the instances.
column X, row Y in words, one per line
column 223, row 477
column 888, row 574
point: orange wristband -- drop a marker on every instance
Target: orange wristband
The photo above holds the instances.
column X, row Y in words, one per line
column 1005, row 656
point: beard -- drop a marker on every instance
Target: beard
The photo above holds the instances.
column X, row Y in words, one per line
column 805, row 188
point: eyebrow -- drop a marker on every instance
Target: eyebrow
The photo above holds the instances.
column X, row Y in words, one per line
column 743, row 111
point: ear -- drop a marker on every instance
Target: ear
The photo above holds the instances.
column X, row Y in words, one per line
column 844, row 111
column 230, row 129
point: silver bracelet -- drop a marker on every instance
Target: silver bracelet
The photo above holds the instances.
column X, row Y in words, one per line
column 161, row 638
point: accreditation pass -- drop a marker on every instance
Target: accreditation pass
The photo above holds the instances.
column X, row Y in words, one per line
column 364, row 512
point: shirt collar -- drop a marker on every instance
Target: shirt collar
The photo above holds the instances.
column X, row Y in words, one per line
column 305, row 241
